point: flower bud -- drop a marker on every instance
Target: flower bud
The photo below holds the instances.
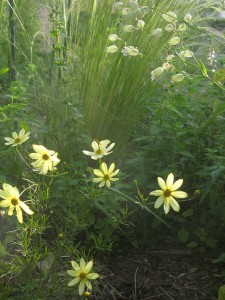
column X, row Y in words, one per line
column 125, row 11
column 128, row 28
column 177, row 77
column 166, row 66
column 169, row 27
column 157, row 72
column 132, row 4
column 130, row 51
column 182, row 27
column 170, row 17
column 117, row 5
column 140, row 24
column 187, row 18
column 156, row 32
column 113, row 37
column 174, row 41
column 111, row 49
column 170, row 57
column 185, row 53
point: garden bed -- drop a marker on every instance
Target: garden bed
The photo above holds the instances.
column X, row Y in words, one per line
column 160, row 274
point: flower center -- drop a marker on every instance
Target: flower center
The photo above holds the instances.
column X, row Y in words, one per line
column 14, row 202
column 45, row 156
column 106, row 177
column 99, row 151
column 17, row 140
column 167, row 193
column 82, row 276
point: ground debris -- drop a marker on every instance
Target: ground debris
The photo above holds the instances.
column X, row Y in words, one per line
column 169, row 275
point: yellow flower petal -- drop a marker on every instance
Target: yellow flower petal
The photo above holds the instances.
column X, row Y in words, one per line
column 161, row 183
column 159, row 202
column 176, row 185
column 174, row 204
column 169, row 181
column 179, row 194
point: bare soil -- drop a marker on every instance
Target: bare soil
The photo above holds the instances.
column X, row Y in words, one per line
column 160, row 274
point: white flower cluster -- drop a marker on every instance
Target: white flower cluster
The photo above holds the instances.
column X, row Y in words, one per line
column 133, row 14
column 130, row 9
column 178, row 29
column 172, row 26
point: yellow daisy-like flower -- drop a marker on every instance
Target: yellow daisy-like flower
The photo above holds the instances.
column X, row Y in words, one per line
column 11, row 199
column 82, row 275
column 100, row 149
column 168, row 192
column 46, row 160
column 105, row 175
column 17, row 139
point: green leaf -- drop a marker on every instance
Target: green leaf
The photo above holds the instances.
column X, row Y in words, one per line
column 183, row 235
column 221, row 293
column 4, row 70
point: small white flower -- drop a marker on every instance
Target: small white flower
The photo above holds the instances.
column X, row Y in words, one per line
column 156, row 32
column 174, row 41
column 170, row 17
column 187, row 18
column 130, row 51
column 182, row 27
column 128, row 28
column 113, row 37
column 157, row 72
column 169, row 27
column 111, row 49
column 140, row 24
column 177, row 78
column 170, row 57
column 125, row 11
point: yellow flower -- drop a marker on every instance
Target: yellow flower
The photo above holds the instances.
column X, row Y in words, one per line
column 82, row 275
column 46, row 160
column 168, row 192
column 100, row 149
column 11, row 199
column 105, row 175
column 17, row 139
